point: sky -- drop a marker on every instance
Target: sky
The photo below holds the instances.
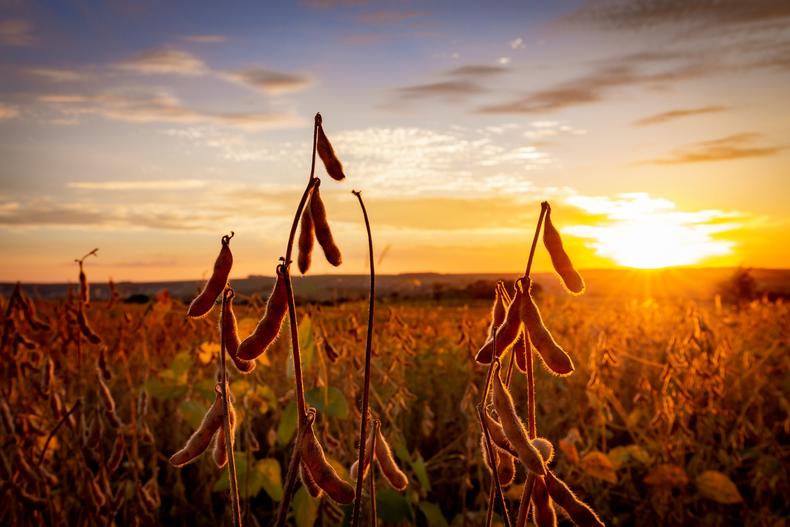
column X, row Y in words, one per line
column 659, row 131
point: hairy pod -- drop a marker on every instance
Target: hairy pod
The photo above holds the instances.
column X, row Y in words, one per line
column 368, row 454
column 559, row 258
column 306, row 240
column 506, row 334
column 85, row 328
column 327, row 154
column 322, row 472
column 105, row 393
column 230, row 334
column 505, row 463
column 322, row 231
column 85, row 295
column 514, row 428
column 220, row 450
column 499, row 309
column 7, row 418
column 545, row 448
column 553, row 356
column 201, row 438
column 142, row 403
column 578, row 511
column 543, row 513
column 389, row 468
column 116, row 456
column 269, row 325
column 521, row 350
column 203, row 303
column 497, row 435
column 47, row 376
column 309, row 483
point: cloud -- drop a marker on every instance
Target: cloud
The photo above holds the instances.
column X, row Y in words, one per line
column 205, row 39
column 517, row 43
column 671, row 115
column 456, row 89
column 269, row 81
column 161, row 107
column 58, row 74
column 737, row 146
column 16, row 32
column 477, row 70
column 544, row 129
column 503, row 60
column 387, row 17
column 173, row 184
column 8, row 112
column 638, row 230
column 713, row 14
column 164, row 61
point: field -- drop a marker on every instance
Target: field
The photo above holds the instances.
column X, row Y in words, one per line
column 677, row 413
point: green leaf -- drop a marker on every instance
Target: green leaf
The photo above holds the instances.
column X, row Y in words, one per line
column 421, row 471
column 192, row 412
column 165, row 389
column 180, row 366
column 433, row 514
column 271, row 477
column 335, row 404
column 287, row 426
column 305, row 508
column 306, row 347
column 393, row 507
column 205, row 387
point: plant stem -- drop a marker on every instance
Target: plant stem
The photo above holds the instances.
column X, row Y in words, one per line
column 492, row 459
column 523, row 508
column 55, row 429
column 543, row 208
column 374, row 515
column 227, row 294
column 293, row 468
column 368, row 357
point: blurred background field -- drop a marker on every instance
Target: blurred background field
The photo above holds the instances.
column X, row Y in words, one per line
column 677, row 414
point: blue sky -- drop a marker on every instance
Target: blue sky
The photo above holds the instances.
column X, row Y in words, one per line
column 150, row 129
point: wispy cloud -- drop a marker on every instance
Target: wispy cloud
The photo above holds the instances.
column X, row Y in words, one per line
column 166, row 184
column 269, row 81
column 59, row 74
column 732, row 147
column 454, row 90
column 16, row 32
column 164, row 61
column 517, row 43
column 672, row 115
column 8, row 111
column 387, row 17
column 477, row 70
column 161, row 107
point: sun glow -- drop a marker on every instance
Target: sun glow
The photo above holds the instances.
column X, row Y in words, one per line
column 649, row 233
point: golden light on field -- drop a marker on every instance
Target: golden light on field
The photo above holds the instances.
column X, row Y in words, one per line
column 649, row 233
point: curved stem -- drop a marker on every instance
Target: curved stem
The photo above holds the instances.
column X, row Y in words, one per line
column 227, row 294
column 293, row 468
column 55, row 429
column 368, row 357
column 543, row 208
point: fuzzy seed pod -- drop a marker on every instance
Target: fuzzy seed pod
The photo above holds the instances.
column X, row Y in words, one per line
column 105, row 393
column 203, row 303
column 505, row 463
column 220, row 450
column 578, row 511
column 230, row 334
column 85, row 295
column 96, row 494
column 389, row 468
column 29, row 309
column 543, row 513
column 86, row 329
column 514, row 428
column 553, row 356
column 142, row 403
column 200, row 440
column 559, row 258
column 327, row 154
column 322, row 231
column 497, row 435
column 521, row 349
column 47, row 376
column 117, row 454
column 322, row 472
column 499, row 309
column 368, row 452
column 545, row 448
column 306, row 240
column 269, row 326
column 507, row 332
column 104, row 368
column 309, row 483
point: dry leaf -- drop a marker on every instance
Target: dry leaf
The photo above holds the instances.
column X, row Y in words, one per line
column 667, row 475
column 718, row 487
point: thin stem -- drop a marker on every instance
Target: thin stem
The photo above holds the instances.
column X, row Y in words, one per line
column 227, row 295
column 494, row 474
column 543, row 208
column 373, row 513
column 526, row 496
column 368, row 358
column 294, row 327
column 55, row 429
column 293, row 468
